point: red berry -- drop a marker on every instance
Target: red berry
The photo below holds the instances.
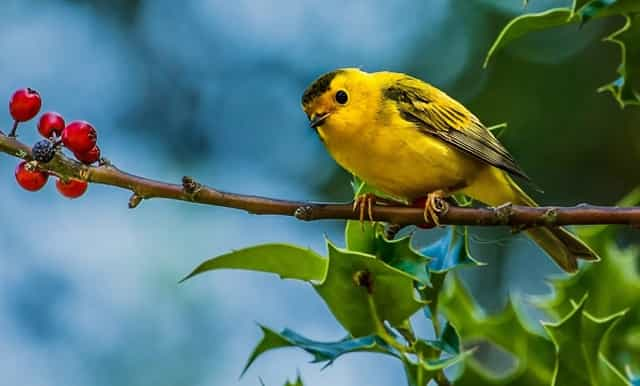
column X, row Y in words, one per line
column 31, row 180
column 51, row 124
column 79, row 136
column 24, row 104
column 72, row 188
column 89, row 157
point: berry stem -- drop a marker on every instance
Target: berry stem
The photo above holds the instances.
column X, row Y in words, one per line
column 14, row 129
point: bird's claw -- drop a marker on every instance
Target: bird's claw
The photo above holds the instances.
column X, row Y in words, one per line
column 364, row 202
column 434, row 206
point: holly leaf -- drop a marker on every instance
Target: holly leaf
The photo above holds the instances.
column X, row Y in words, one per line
column 361, row 236
column 322, row 352
column 592, row 8
column 429, row 362
column 297, row 382
column 507, row 330
column 527, row 23
column 401, row 255
column 619, row 270
column 362, row 291
column 450, row 251
column 448, row 341
column 287, row 261
column 577, row 339
column 626, row 88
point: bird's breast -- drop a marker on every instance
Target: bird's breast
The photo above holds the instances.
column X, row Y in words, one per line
column 400, row 160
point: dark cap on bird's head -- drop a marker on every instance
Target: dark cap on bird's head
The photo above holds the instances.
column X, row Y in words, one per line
column 318, row 87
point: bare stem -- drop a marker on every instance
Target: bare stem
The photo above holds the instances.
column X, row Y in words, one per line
column 190, row 190
column 14, row 129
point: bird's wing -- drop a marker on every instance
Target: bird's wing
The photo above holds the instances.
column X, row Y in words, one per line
column 437, row 114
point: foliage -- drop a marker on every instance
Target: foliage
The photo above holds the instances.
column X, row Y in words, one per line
column 375, row 285
column 626, row 87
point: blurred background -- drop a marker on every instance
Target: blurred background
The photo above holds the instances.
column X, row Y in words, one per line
column 88, row 288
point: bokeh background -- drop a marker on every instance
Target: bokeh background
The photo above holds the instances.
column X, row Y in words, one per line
column 88, row 288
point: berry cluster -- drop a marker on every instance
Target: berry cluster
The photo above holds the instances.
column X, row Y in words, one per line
column 79, row 137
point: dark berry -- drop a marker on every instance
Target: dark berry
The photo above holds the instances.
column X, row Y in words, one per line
column 89, row 157
column 72, row 188
column 24, row 104
column 51, row 124
column 43, row 151
column 79, row 136
column 31, row 180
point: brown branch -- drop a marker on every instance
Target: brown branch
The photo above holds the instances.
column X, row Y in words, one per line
column 190, row 190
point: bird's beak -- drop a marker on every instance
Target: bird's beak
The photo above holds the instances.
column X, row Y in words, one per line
column 318, row 119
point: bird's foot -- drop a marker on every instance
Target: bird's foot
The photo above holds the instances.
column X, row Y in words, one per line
column 434, row 206
column 364, row 202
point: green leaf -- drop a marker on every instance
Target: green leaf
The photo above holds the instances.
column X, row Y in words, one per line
column 427, row 367
column 626, row 89
column 579, row 5
column 387, row 295
column 634, row 379
column 507, row 330
column 450, row 251
column 288, row 261
column 593, row 8
column 450, row 339
column 613, row 285
column 577, row 339
column 448, row 342
column 361, row 236
column 323, row 352
column 401, row 255
column 297, row 382
column 527, row 23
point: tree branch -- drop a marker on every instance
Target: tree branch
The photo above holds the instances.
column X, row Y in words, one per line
column 190, row 190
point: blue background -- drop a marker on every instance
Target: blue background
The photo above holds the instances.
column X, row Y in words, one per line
column 211, row 89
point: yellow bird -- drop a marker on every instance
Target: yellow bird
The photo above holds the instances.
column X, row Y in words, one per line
column 409, row 140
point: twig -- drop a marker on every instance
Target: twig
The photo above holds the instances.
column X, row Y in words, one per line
column 190, row 190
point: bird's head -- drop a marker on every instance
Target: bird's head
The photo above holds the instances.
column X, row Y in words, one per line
column 340, row 100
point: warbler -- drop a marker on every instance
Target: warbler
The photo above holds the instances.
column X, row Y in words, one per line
column 410, row 140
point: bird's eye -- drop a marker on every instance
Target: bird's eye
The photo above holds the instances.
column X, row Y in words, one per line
column 342, row 97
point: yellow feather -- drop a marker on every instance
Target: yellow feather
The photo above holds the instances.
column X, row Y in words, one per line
column 407, row 139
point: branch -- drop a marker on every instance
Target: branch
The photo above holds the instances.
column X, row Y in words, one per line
column 190, row 190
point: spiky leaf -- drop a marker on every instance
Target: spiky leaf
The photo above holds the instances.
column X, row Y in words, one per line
column 323, row 352
column 626, row 88
column 507, row 330
column 287, row 261
column 450, row 251
column 577, row 339
column 401, row 255
column 527, row 23
column 361, row 291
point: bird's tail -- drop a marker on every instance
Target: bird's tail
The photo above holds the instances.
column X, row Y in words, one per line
column 562, row 246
